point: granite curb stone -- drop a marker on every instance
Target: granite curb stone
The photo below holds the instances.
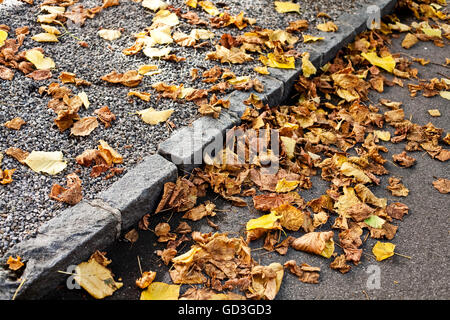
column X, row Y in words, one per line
column 67, row 239
column 137, row 192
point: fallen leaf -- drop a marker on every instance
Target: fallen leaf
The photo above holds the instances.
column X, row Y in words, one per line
column 286, row 6
column 383, row 250
column 45, row 37
column 14, row 263
column 146, row 279
column 15, row 123
column 72, row 195
column 320, row 243
column 442, row 185
column 304, row 272
column 84, row 126
column 151, row 116
column 96, row 279
column 38, row 60
column 327, row 27
column 109, row 34
column 47, row 162
column 386, row 62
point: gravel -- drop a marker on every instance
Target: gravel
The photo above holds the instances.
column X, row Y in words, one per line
column 24, row 203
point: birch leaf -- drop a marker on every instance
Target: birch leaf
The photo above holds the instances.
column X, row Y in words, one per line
column 375, row 222
column 151, row 116
column 45, row 37
column 47, row 162
column 109, row 34
column 286, row 6
column 96, row 279
column 383, row 250
column 40, row 62
column 161, row 291
column 387, row 62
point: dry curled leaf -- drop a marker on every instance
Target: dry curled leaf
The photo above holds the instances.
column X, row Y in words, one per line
column 72, row 195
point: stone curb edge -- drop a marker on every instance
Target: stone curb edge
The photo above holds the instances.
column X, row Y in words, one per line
column 78, row 231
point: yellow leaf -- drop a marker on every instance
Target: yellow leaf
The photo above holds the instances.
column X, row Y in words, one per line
column 162, row 35
column 383, row 250
column 112, row 156
column 151, row 116
column 308, row 38
column 261, row 70
column 84, row 98
column 387, row 62
column 432, row 32
column 351, row 171
column 141, row 95
column 346, row 201
column 434, row 112
column 96, row 279
column 383, row 135
column 285, row 186
column 154, row 4
column 156, row 52
column 37, row 58
column 329, row 249
column 289, row 146
column 166, row 17
column 209, row 7
column 307, row 67
column 148, row 69
column 191, row 3
column 266, row 221
column 327, row 27
column 161, row 291
column 201, row 34
column 53, row 9
column 109, row 34
column 50, row 29
column 47, row 18
column 3, row 37
column 271, row 61
column 47, row 162
column 45, row 37
column 445, row 94
column 286, row 6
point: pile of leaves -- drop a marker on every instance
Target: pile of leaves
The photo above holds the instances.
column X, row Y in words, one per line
column 333, row 131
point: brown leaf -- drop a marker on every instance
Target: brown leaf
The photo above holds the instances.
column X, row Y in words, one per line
column 442, row 185
column 84, row 126
column 17, row 153
column 105, row 116
column 269, row 201
column 131, row 78
column 313, row 242
column 203, row 210
column 15, row 123
column 304, row 272
column 397, row 210
column 340, row 264
column 40, row 75
column 6, row 73
column 404, row 160
column 72, row 195
column 146, row 279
